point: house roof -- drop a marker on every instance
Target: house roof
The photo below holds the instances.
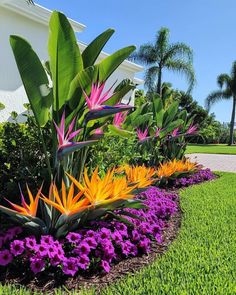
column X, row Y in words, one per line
column 36, row 12
column 42, row 15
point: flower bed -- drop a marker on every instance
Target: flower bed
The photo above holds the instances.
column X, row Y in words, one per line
column 95, row 247
column 198, row 177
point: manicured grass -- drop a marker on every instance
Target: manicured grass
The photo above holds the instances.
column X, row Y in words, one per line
column 211, row 149
column 201, row 260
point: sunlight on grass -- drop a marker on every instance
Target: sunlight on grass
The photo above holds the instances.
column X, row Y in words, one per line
column 211, row 149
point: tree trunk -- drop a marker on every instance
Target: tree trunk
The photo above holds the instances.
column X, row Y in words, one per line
column 231, row 136
column 159, row 90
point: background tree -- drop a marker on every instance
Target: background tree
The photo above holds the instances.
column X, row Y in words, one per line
column 227, row 85
column 160, row 55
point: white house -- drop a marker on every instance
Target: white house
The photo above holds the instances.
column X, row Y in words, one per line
column 31, row 22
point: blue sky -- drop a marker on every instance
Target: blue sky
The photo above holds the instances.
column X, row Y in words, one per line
column 208, row 26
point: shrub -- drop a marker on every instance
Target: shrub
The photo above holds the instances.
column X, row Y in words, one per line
column 21, row 157
column 113, row 151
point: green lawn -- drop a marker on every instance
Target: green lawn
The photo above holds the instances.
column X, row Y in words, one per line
column 202, row 260
column 211, row 149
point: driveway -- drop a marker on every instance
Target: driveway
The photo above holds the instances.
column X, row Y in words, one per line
column 215, row 162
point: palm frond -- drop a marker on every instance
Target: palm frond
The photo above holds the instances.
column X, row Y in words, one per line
column 184, row 68
column 30, row 2
column 179, row 51
column 145, row 54
column 224, row 80
column 162, row 41
column 216, row 96
column 150, row 78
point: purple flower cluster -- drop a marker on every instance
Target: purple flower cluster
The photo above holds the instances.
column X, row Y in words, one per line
column 198, row 177
column 96, row 247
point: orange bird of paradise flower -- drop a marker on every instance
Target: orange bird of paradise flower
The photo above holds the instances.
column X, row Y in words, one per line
column 67, row 204
column 100, row 191
column 25, row 209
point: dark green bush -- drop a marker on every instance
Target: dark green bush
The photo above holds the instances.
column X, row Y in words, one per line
column 21, row 158
column 113, row 151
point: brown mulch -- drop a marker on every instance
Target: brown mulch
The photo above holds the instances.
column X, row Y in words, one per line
column 47, row 282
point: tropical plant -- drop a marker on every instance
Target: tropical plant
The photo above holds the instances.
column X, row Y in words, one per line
column 73, row 109
column 161, row 130
column 162, row 55
column 65, row 208
column 227, row 85
column 141, row 175
column 74, row 106
column 171, row 170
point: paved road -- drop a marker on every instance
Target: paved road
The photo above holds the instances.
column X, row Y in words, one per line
column 215, row 162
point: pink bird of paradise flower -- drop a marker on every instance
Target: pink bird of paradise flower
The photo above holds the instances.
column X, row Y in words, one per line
column 157, row 133
column 119, row 119
column 96, row 98
column 64, row 139
column 98, row 131
column 192, row 129
column 175, row 132
column 142, row 135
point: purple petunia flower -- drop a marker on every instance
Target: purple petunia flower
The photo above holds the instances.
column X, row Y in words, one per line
column 73, row 238
column 55, row 260
column 91, row 242
column 31, row 243
column 5, row 257
column 82, row 249
column 17, row 247
column 70, row 266
column 83, row 262
column 104, row 233
column 117, row 237
column 105, row 266
column 37, row 264
column 42, row 250
column 47, row 240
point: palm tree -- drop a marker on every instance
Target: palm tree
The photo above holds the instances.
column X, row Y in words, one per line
column 162, row 55
column 227, row 85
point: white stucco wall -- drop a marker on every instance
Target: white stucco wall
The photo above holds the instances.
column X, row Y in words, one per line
column 12, row 93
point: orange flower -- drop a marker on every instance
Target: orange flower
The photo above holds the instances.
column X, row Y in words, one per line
column 67, row 204
column 25, row 209
column 182, row 166
column 104, row 190
column 141, row 175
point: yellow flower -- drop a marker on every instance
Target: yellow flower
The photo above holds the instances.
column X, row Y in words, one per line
column 141, row 175
column 67, row 204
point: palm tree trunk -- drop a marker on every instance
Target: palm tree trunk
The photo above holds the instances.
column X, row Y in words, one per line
column 159, row 90
column 231, row 136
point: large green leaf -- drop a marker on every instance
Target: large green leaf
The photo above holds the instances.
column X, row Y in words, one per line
column 34, row 78
column 83, row 80
column 108, row 65
column 121, row 90
column 93, row 50
column 158, row 111
column 120, row 132
column 102, row 71
column 170, row 113
column 65, row 58
column 173, row 125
